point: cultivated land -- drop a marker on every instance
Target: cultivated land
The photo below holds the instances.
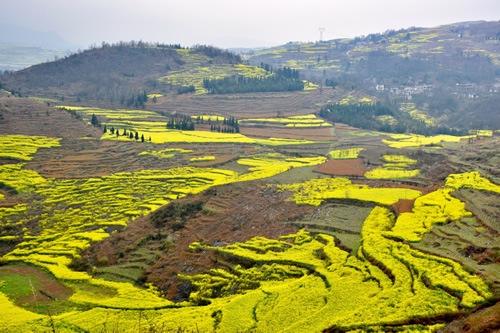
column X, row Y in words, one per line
column 291, row 223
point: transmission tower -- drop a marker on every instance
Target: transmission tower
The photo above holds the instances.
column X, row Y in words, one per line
column 321, row 30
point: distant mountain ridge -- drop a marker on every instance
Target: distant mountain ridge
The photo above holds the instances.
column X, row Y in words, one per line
column 15, row 57
column 11, row 34
column 22, row 47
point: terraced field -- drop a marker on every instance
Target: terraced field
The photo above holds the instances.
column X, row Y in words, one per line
column 225, row 234
column 247, row 105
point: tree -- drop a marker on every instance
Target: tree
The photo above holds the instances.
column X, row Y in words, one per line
column 142, row 137
column 284, row 79
column 105, row 130
column 94, row 121
column 136, row 136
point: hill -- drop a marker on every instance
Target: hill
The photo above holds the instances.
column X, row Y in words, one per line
column 449, row 71
column 111, row 73
column 108, row 216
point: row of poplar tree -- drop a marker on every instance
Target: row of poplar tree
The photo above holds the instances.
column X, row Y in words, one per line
column 129, row 134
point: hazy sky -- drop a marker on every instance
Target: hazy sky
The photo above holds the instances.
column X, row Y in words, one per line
column 235, row 23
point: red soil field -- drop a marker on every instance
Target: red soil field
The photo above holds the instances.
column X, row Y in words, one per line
column 353, row 167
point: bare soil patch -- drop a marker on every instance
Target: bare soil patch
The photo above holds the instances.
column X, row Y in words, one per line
column 353, row 167
column 403, row 206
column 33, row 117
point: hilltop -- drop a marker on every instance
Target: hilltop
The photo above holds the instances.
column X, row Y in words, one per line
column 467, row 52
column 110, row 73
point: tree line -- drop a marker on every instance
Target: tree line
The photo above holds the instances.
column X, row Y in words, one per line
column 185, row 89
column 284, row 79
column 224, row 129
column 384, row 37
column 136, row 101
column 94, row 121
column 130, row 134
column 217, row 53
column 184, row 123
column 365, row 116
column 229, row 125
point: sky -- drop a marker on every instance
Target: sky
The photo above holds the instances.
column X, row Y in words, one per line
column 234, row 23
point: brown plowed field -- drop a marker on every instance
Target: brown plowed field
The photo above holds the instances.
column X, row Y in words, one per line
column 249, row 105
column 33, row 117
column 313, row 134
column 95, row 158
column 352, row 167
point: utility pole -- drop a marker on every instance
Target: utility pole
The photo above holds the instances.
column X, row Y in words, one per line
column 321, row 30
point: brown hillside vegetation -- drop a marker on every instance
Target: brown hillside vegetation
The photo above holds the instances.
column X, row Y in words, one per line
column 110, row 73
column 232, row 213
column 37, row 117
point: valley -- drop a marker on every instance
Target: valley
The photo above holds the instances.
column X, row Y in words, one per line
column 133, row 199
